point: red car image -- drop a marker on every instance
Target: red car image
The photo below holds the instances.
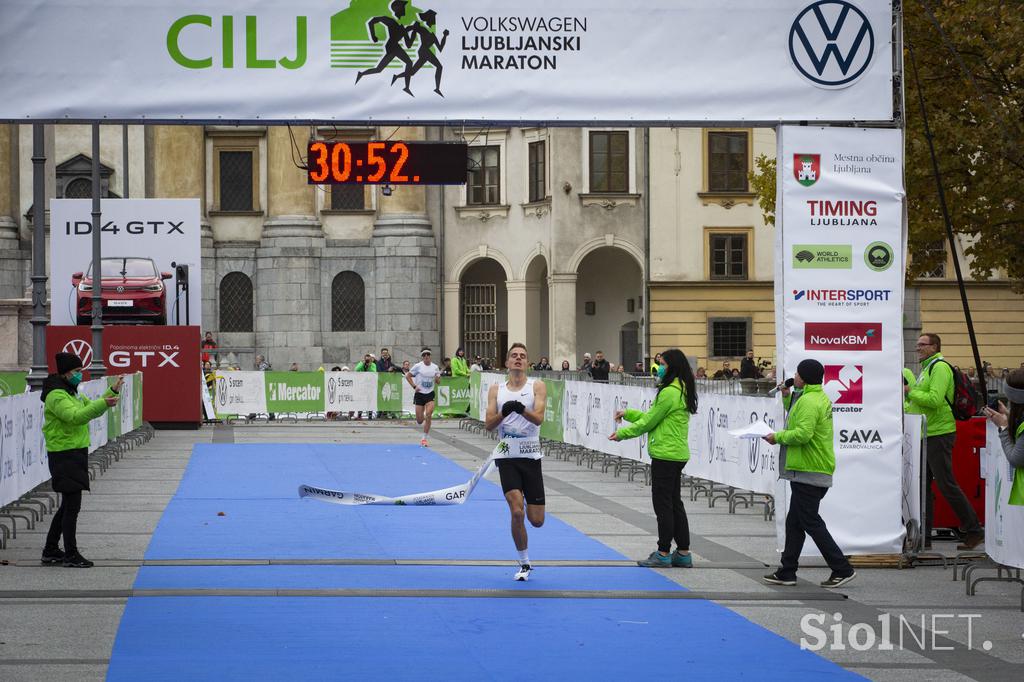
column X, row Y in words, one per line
column 133, row 292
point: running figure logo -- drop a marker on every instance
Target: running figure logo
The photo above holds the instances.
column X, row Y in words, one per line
column 357, row 32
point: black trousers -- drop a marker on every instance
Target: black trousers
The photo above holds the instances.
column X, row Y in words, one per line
column 803, row 518
column 65, row 522
column 940, row 468
column 666, row 478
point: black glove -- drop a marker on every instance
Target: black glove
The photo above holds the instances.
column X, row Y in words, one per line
column 512, row 406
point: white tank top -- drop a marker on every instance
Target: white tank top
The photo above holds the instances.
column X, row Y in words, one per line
column 515, row 425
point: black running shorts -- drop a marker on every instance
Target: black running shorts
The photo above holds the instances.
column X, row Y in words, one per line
column 521, row 473
column 422, row 398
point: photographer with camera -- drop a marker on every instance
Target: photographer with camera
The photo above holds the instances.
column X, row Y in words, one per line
column 1011, row 427
column 748, row 368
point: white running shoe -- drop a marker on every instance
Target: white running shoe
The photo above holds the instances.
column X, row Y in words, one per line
column 523, row 574
column 423, row 442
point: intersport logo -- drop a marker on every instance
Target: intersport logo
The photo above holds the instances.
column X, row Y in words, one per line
column 842, row 298
column 863, row 336
column 844, row 386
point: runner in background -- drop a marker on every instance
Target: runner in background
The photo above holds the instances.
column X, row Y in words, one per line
column 423, row 376
column 516, row 409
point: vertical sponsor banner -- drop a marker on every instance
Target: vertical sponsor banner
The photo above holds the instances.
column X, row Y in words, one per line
column 913, row 425
column 716, row 455
column 841, row 290
column 389, row 391
column 294, row 391
column 208, row 410
column 12, row 383
column 487, row 379
column 22, row 449
column 348, row 392
column 474, row 395
column 137, row 401
column 97, row 427
column 453, row 396
column 141, row 239
column 1004, row 527
column 113, row 415
column 552, row 426
column 127, row 404
column 240, row 393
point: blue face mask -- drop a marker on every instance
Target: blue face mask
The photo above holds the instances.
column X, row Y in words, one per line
column 75, row 379
column 661, row 371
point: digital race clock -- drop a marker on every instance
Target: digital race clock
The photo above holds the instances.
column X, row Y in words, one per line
column 392, row 163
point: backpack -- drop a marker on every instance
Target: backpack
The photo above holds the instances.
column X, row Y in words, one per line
column 966, row 399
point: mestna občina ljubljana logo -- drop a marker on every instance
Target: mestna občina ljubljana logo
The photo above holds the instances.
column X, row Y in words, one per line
column 377, row 36
column 831, row 43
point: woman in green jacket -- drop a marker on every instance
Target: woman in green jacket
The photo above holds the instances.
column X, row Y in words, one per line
column 66, row 417
column 668, row 422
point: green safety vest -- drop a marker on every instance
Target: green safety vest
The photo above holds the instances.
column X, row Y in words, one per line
column 1017, row 491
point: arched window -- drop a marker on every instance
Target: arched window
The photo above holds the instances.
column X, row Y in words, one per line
column 348, row 303
column 79, row 188
column 236, row 303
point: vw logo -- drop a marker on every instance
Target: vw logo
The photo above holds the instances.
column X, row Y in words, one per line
column 332, row 390
column 222, row 391
column 120, row 290
column 753, row 445
column 831, row 43
column 711, row 434
column 81, row 348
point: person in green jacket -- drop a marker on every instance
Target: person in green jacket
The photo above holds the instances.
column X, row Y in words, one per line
column 807, row 459
column 1011, row 429
column 667, row 422
column 66, row 417
column 367, row 365
column 933, row 397
column 459, row 366
column 909, row 382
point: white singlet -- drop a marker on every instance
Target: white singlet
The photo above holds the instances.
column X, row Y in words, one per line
column 515, row 426
column 424, row 376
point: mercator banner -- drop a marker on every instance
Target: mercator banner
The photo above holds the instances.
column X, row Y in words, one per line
column 447, row 60
column 840, row 240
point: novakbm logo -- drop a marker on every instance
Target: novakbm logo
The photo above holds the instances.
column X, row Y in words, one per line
column 831, row 43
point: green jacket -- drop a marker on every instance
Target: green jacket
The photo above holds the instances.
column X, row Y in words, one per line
column 933, row 395
column 911, row 382
column 66, row 419
column 808, row 433
column 1017, row 486
column 370, row 366
column 459, row 367
column 668, row 422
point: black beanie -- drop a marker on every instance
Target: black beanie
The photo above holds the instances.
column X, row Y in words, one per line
column 67, row 362
column 811, row 371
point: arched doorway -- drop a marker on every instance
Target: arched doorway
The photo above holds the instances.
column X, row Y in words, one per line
column 609, row 296
column 483, row 320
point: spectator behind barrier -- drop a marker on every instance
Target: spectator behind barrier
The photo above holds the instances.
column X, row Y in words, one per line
column 1011, row 429
column 459, row 366
column 599, row 370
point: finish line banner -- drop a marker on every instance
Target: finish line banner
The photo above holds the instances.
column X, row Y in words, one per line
column 448, row 60
column 839, row 286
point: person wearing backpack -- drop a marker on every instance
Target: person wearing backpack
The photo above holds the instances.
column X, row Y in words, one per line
column 933, row 397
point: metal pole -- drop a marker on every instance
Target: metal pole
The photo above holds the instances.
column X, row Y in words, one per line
column 96, row 369
column 124, row 158
column 39, row 317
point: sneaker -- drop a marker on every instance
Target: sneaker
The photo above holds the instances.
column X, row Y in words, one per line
column 52, row 557
column 76, row 560
column 523, row 574
column 682, row 560
column 838, row 580
column 423, row 442
column 774, row 579
column 656, row 560
column 972, row 540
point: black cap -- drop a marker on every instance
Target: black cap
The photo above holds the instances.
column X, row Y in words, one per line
column 67, row 362
column 811, row 371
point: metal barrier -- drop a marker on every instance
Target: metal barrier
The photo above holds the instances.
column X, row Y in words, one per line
column 33, row 506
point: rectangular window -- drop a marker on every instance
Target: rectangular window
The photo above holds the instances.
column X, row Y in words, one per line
column 348, row 198
column 609, row 162
column 727, row 162
column 483, row 186
column 937, row 250
column 236, row 181
column 728, row 337
column 537, row 186
column 728, row 256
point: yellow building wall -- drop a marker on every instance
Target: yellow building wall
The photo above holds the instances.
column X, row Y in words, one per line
column 680, row 313
column 998, row 322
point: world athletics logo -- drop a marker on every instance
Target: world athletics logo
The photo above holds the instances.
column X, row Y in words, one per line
column 374, row 35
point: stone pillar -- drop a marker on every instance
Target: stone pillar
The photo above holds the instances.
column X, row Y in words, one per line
column 562, row 319
column 452, row 317
column 523, row 312
column 288, row 314
column 406, row 264
column 12, row 259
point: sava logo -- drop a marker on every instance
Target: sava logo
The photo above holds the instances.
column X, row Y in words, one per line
column 866, row 336
column 860, row 439
column 844, row 386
